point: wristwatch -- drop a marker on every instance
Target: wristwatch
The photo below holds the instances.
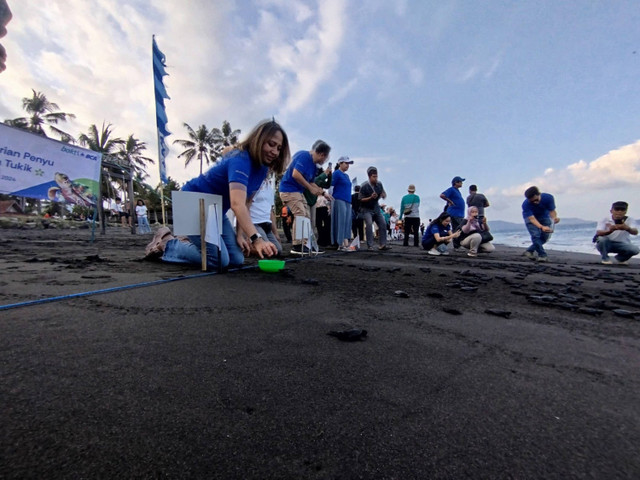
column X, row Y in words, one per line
column 254, row 238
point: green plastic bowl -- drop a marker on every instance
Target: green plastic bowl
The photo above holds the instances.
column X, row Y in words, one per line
column 271, row 265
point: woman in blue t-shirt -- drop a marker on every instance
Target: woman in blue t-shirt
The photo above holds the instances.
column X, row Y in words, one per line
column 341, row 205
column 236, row 177
column 438, row 235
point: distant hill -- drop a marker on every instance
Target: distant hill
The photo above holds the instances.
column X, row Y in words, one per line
column 501, row 226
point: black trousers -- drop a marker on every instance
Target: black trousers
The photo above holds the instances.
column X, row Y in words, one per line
column 323, row 224
column 411, row 225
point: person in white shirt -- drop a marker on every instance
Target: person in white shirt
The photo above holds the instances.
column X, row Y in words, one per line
column 613, row 235
column 263, row 216
column 141, row 213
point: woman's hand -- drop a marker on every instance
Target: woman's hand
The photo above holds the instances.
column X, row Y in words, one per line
column 244, row 244
column 264, row 248
column 455, row 234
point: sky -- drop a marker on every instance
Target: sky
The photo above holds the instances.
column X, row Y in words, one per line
column 506, row 94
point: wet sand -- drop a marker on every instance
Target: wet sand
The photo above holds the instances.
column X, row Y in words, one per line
column 234, row 375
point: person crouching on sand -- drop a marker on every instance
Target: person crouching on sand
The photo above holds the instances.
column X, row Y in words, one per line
column 476, row 234
column 437, row 235
column 236, row 177
column 539, row 213
column 613, row 235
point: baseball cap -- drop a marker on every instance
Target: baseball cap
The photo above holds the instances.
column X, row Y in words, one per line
column 457, row 179
column 345, row 160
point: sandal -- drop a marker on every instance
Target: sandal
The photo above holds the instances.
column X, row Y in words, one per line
column 155, row 248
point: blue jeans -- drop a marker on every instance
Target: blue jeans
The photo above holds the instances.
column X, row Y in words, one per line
column 624, row 250
column 538, row 237
column 143, row 225
column 229, row 252
column 369, row 218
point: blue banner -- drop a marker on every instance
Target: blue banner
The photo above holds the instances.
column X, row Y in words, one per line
column 159, row 64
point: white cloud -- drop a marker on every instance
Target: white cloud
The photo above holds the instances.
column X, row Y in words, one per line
column 616, row 169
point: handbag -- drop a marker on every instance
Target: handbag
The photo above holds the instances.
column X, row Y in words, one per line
column 407, row 209
column 486, row 237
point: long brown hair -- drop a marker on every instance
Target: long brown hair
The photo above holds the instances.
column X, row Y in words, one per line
column 259, row 135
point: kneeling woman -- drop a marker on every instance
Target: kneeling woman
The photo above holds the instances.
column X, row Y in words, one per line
column 476, row 233
column 438, row 235
column 237, row 178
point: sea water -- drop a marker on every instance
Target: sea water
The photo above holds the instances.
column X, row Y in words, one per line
column 567, row 238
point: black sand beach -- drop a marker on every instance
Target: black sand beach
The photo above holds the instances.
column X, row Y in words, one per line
column 233, row 376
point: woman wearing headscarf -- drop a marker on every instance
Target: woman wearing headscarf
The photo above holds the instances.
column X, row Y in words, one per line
column 476, row 234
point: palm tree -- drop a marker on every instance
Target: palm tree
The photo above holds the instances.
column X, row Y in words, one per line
column 42, row 112
column 200, row 145
column 101, row 142
column 131, row 151
column 222, row 138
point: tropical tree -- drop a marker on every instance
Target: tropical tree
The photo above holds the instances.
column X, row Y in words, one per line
column 223, row 137
column 200, row 145
column 101, row 141
column 42, row 112
column 131, row 152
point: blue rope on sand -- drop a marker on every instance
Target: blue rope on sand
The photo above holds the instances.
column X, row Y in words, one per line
column 113, row 289
column 118, row 289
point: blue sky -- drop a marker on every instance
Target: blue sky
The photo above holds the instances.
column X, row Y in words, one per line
column 505, row 94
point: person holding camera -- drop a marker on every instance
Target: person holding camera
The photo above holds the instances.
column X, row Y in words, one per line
column 475, row 232
column 613, row 235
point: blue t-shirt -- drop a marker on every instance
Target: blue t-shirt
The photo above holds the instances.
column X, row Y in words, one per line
column 234, row 167
column 457, row 209
column 303, row 162
column 541, row 210
column 430, row 233
column 341, row 186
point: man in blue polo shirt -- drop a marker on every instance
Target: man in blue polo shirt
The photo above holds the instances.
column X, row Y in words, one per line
column 298, row 178
column 455, row 206
column 539, row 213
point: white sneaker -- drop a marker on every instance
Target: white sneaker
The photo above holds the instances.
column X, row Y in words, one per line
column 433, row 251
column 446, row 252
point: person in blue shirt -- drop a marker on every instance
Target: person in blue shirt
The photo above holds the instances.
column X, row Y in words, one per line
column 237, row 177
column 438, row 235
column 539, row 213
column 341, row 205
column 300, row 177
column 455, row 205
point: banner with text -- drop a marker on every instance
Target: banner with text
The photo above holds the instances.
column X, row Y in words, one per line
column 37, row 167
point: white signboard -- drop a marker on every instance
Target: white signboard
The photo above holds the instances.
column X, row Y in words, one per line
column 186, row 213
column 37, row 167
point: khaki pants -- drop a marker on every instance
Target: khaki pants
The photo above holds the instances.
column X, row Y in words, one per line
column 299, row 207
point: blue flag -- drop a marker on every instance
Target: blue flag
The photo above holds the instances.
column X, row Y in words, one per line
column 159, row 64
